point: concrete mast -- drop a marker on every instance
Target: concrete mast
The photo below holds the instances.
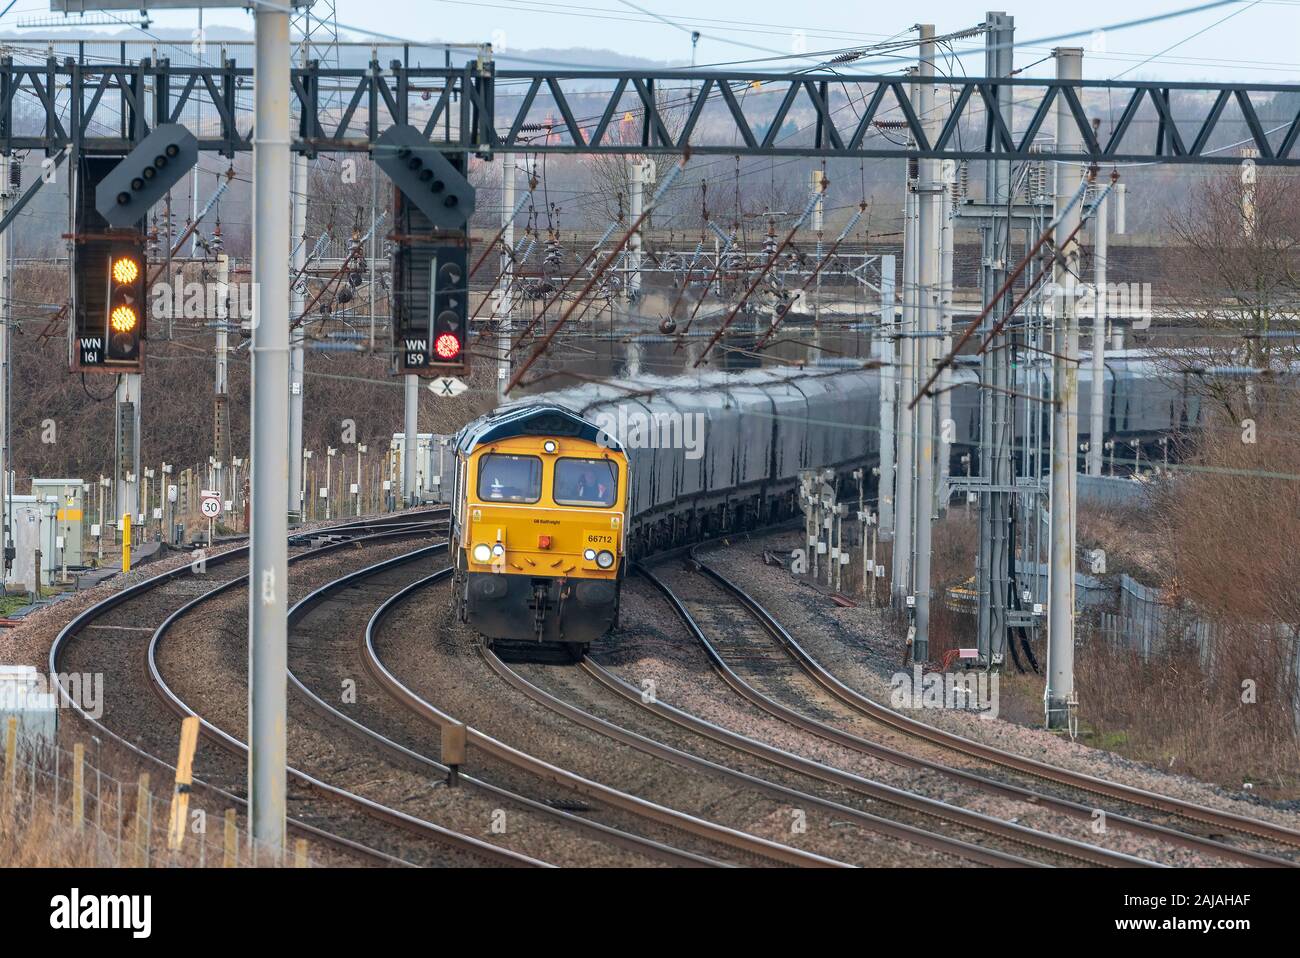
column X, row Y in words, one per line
column 5, row 299
column 269, row 426
column 927, row 314
column 947, row 231
column 411, row 440
column 885, row 349
column 221, row 411
column 126, row 466
column 905, row 428
column 638, row 173
column 1059, row 694
column 505, row 299
column 996, row 475
column 1097, row 392
column 297, row 358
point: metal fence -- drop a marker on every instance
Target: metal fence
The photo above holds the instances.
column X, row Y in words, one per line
column 1111, row 491
column 67, row 807
column 1152, row 623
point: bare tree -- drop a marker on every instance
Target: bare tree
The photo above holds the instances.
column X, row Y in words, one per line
column 611, row 178
column 1234, row 284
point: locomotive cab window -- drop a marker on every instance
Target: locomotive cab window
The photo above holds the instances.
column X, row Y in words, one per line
column 504, row 478
column 586, row 482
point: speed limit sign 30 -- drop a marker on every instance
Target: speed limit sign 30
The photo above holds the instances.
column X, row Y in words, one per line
column 210, row 504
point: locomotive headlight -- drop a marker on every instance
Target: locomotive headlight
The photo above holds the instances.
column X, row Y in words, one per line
column 482, row 552
column 549, row 445
column 498, row 550
column 605, row 559
column 590, row 555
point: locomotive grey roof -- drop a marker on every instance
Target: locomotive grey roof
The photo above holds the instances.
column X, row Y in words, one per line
column 530, row 419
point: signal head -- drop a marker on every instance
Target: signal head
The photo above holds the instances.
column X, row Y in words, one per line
column 447, row 346
column 126, row 269
column 124, row 319
column 154, row 166
column 425, row 175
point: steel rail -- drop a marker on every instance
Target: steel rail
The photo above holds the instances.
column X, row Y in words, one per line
column 628, row 840
column 233, row 745
column 880, row 791
column 894, row 829
column 1019, row 763
column 1081, row 851
column 73, row 628
column 886, row 753
column 622, row 800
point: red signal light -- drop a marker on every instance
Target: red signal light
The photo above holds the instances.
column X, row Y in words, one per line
column 447, row 346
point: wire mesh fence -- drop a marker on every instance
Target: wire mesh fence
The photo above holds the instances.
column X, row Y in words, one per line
column 72, row 807
column 1153, row 625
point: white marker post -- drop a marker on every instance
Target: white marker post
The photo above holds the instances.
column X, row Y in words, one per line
column 210, row 506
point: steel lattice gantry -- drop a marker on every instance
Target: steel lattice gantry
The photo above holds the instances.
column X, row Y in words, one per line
column 110, row 107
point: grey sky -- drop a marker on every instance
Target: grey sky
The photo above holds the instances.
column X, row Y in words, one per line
column 1243, row 41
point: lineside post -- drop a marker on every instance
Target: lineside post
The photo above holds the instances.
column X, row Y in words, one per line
column 268, row 568
column 927, row 309
column 1059, row 698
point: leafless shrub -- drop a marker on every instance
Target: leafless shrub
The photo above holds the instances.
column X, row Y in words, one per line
column 1233, row 268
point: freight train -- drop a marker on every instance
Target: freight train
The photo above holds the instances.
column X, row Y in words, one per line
column 553, row 495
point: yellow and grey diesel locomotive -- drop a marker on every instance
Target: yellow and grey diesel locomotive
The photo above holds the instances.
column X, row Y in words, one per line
column 538, row 525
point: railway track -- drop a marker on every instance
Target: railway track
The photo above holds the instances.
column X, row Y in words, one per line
column 331, row 653
column 328, row 811
column 743, row 847
column 143, row 723
column 755, row 651
column 910, row 817
column 316, row 656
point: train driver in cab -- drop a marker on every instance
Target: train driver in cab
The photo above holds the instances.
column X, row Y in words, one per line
column 510, row 478
column 584, row 482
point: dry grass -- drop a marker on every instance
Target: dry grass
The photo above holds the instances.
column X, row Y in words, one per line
column 1132, row 544
column 40, row 841
column 38, row 830
column 1171, row 712
column 1221, row 542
